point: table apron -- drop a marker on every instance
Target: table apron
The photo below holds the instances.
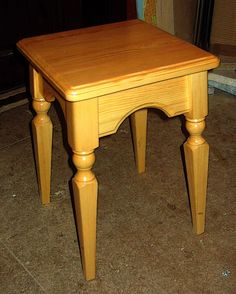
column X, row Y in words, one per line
column 171, row 96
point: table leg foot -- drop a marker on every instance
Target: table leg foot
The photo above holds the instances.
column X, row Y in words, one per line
column 85, row 195
column 139, row 131
column 196, row 152
column 42, row 137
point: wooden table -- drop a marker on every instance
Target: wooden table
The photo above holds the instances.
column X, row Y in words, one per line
column 100, row 76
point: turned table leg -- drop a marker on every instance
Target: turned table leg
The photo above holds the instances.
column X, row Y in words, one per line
column 139, row 131
column 82, row 126
column 196, row 156
column 196, row 151
column 42, row 137
column 85, row 196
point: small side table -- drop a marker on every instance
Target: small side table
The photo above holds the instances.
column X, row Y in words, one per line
column 100, row 76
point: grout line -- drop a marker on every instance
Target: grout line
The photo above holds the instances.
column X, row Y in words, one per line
column 14, row 143
column 18, row 260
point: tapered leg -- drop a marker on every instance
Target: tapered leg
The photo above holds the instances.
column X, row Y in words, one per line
column 82, row 126
column 196, row 149
column 139, row 132
column 85, row 196
column 196, row 156
column 42, row 136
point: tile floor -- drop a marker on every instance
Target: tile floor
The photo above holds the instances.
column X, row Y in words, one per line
column 144, row 238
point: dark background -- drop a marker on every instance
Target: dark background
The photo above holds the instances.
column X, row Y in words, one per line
column 25, row 18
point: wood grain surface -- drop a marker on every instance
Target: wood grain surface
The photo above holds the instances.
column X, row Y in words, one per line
column 95, row 61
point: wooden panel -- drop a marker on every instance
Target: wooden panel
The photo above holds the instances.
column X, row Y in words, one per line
column 170, row 96
column 184, row 18
column 224, row 23
column 165, row 15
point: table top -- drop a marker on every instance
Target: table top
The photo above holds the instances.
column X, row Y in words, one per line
column 90, row 62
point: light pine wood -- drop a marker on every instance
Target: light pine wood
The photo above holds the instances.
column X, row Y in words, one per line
column 170, row 96
column 82, row 118
column 197, row 150
column 51, row 94
column 82, row 126
column 100, row 76
column 139, row 131
column 197, row 91
column 196, row 156
column 101, row 60
column 85, row 196
column 42, row 136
